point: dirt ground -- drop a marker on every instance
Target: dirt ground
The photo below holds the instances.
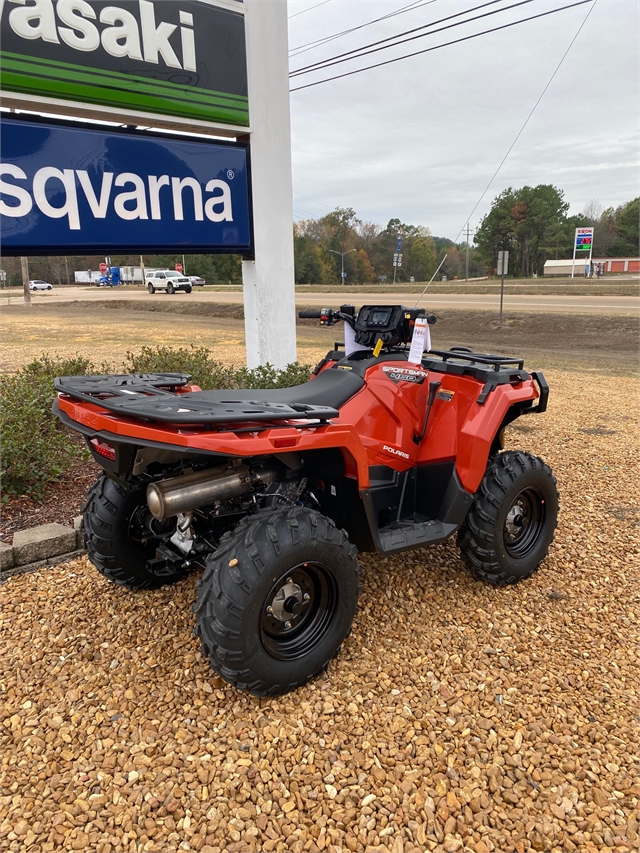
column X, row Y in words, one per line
column 105, row 331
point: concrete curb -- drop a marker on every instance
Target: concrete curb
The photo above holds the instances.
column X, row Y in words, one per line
column 39, row 547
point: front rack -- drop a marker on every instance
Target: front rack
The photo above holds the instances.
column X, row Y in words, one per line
column 464, row 353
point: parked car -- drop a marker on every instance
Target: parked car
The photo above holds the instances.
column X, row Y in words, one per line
column 196, row 281
column 168, row 280
column 39, row 285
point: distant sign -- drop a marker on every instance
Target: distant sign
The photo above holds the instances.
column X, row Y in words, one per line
column 178, row 267
column 503, row 263
column 74, row 189
column 584, row 239
column 172, row 57
column 103, row 268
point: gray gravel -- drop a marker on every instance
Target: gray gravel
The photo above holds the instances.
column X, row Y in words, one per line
column 457, row 717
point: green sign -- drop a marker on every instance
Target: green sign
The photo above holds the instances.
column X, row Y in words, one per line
column 183, row 58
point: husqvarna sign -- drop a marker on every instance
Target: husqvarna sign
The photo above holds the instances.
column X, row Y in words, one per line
column 182, row 58
column 66, row 189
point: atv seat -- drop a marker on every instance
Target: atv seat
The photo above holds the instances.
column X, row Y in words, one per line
column 330, row 388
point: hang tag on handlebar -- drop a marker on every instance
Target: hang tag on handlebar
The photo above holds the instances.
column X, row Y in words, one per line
column 420, row 341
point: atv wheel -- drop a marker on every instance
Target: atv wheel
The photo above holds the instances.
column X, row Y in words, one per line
column 277, row 599
column 121, row 535
column 151, row 288
column 510, row 525
column 170, row 288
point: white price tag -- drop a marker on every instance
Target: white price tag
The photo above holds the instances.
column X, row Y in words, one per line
column 420, row 341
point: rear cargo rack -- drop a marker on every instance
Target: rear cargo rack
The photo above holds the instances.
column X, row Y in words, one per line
column 148, row 396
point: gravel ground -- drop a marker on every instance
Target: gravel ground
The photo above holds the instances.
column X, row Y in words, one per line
column 457, row 717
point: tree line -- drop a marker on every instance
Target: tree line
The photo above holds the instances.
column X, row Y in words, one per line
column 530, row 222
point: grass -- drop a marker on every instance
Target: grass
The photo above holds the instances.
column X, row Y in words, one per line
column 105, row 333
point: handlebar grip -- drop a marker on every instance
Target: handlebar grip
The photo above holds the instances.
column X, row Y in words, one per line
column 309, row 315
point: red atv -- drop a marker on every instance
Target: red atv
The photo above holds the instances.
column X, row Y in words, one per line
column 273, row 492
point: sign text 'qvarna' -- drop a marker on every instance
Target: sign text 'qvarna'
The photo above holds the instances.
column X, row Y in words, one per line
column 72, row 188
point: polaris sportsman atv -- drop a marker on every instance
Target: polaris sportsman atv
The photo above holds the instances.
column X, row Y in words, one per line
column 272, row 493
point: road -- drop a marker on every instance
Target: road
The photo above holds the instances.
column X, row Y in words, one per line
column 474, row 301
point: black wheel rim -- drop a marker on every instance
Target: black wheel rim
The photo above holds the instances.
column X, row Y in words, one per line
column 524, row 522
column 298, row 611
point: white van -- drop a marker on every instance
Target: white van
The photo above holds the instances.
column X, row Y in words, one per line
column 168, row 280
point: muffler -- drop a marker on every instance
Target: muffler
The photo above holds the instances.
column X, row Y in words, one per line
column 191, row 491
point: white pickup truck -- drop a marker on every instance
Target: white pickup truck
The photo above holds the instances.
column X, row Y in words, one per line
column 168, row 280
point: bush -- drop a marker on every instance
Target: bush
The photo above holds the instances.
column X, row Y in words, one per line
column 36, row 448
column 210, row 374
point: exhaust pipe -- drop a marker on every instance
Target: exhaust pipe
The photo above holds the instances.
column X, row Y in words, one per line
column 186, row 493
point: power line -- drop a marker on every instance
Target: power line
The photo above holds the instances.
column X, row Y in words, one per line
column 535, row 106
column 313, row 199
column 303, row 48
column 295, row 15
column 517, row 136
column 364, row 49
column 438, row 46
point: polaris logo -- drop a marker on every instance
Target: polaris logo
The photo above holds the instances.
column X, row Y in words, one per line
column 142, row 197
column 394, row 451
column 71, row 22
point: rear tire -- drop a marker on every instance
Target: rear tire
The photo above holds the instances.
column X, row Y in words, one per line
column 170, row 288
column 151, row 288
column 116, row 521
column 511, row 523
column 277, row 599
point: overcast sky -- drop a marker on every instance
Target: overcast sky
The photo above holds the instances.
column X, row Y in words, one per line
column 419, row 139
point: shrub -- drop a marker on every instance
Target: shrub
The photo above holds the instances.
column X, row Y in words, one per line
column 36, row 448
column 210, row 374
column 196, row 361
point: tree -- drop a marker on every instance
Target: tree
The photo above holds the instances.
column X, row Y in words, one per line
column 523, row 222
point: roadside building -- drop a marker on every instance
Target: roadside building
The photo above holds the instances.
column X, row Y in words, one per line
column 611, row 265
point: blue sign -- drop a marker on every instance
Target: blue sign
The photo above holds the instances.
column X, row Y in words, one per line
column 76, row 190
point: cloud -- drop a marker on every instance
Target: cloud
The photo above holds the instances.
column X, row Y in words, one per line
column 420, row 139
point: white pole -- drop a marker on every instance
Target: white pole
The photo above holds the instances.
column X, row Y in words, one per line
column 573, row 265
column 269, row 289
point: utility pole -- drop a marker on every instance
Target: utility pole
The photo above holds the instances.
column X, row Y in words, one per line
column 24, row 263
column 466, row 277
column 397, row 257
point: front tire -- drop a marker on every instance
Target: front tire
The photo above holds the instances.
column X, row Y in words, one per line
column 151, row 288
column 277, row 599
column 187, row 290
column 120, row 536
column 511, row 523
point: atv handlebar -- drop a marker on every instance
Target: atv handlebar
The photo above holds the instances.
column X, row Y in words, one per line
column 309, row 315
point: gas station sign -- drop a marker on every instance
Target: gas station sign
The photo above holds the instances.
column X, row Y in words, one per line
column 584, row 239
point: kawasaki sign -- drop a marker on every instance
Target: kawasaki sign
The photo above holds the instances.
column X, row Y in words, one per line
column 71, row 189
column 183, row 58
